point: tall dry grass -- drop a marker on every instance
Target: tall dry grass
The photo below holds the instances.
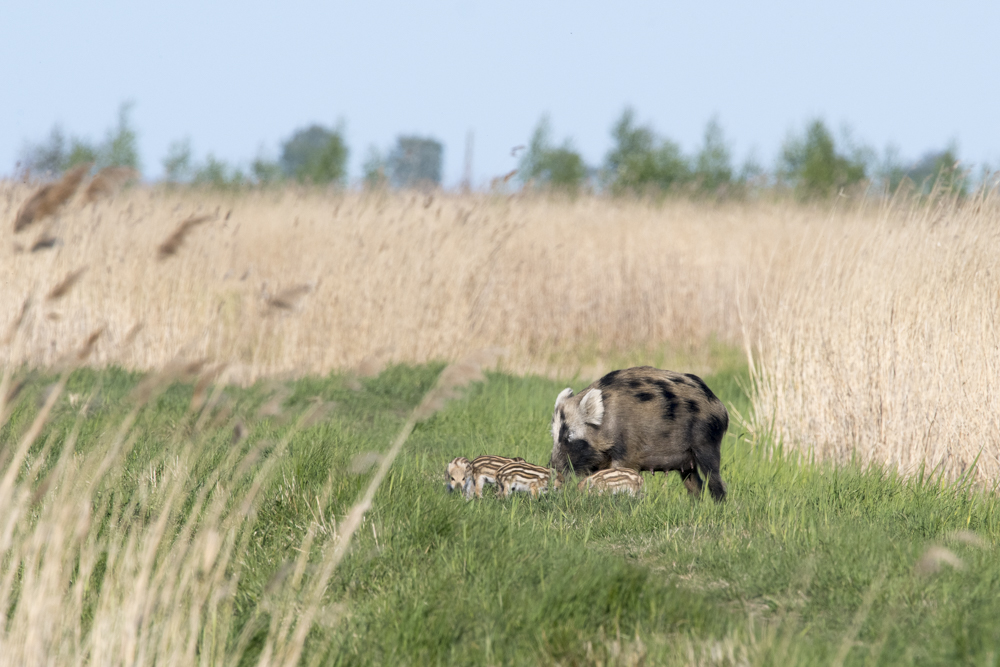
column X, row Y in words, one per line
column 296, row 282
column 879, row 338
column 873, row 322
column 87, row 578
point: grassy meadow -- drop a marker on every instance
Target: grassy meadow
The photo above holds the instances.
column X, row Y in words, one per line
column 204, row 534
column 225, row 419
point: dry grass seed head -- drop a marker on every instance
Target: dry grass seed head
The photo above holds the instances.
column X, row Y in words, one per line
column 178, row 370
column 455, row 378
column 107, row 181
column 322, row 412
column 16, row 324
column 44, row 242
column 49, row 198
column 363, row 462
column 967, row 537
column 14, row 391
column 88, row 346
column 132, row 334
column 239, row 432
column 63, row 288
column 205, row 380
column 286, row 298
column 273, row 407
column 934, row 558
column 174, row 241
column 374, row 363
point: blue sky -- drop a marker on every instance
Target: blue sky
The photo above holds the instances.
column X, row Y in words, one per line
column 238, row 77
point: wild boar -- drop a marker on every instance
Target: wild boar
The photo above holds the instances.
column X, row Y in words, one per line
column 645, row 419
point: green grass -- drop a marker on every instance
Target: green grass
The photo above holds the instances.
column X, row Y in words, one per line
column 803, row 564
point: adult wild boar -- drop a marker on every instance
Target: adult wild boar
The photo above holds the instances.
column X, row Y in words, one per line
column 645, row 419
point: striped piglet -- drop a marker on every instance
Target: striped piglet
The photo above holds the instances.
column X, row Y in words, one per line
column 615, row 480
column 472, row 476
column 526, row 477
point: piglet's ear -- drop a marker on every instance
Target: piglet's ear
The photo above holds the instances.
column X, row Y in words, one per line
column 592, row 407
column 563, row 396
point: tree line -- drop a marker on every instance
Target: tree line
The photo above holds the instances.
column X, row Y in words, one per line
column 812, row 163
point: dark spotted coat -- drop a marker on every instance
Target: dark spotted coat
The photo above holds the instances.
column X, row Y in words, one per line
column 645, row 419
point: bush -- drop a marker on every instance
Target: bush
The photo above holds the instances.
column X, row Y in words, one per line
column 374, row 170
column 177, row 166
column 640, row 161
column 315, row 155
column 57, row 154
column 556, row 168
column 414, row 162
column 814, row 168
column 218, row 174
column 937, row 168
column 713, row 170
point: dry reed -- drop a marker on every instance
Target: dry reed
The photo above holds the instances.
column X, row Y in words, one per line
column 563, row 286
column 65, row 285
column 879, row 339
column 50, row 197
column 284, row 646
column 107, row 181
column 173, row 242
column 873, row 325
column 167, row 577
column 287, row 298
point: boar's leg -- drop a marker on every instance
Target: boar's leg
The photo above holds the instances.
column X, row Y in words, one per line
column 692, row 481
column 709, row 459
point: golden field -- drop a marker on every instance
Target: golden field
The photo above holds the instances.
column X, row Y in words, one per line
column 871, row 324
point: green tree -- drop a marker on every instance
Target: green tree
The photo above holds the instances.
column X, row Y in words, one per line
column 640, row 161
column 890, row 171
column 415, row 162
column 121, row 147
column 315, row 155
column 53, row 157
column 374, row 170
column 558, row 168
column 215, row 173
column 81, row 152
column 814, row 167
column 713, row 169
column 265, row 171
column 57, row 154
column 937, row 168
column 48, row 156
column 177, row 165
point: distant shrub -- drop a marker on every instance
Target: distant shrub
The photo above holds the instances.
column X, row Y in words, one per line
column 218, row 174
column 713, row 170
column 938, row 168
column 265, row 171
column 373, row 171
column 641, row 162
column 414, row 162
column 812, row 165
column 177, row 165
column 57, row 154
column 316, row 155
column 557, row 168
column 121, row 147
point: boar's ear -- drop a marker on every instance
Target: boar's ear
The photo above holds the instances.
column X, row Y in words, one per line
column 563, row 395
column 592, row 407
